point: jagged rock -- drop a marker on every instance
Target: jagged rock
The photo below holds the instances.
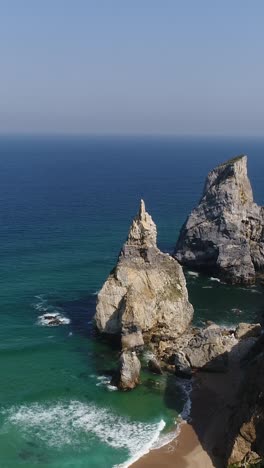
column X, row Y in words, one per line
column 246, row 330
column 224, row 234
column 129, row 371
column 154, row 366
column 147, row 288
column 182, row 366
column 132, row 338
column 206, row 350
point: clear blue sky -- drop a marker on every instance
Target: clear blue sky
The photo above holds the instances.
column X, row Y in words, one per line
column 141, row 66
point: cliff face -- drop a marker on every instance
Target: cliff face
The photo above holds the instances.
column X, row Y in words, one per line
column 224, row 234
column 147, row 288
column 245, row 436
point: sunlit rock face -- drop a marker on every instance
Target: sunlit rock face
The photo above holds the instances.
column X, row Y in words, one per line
column 146, row 289
column 224, row 234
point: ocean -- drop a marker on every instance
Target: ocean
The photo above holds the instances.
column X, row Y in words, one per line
column 66, row 206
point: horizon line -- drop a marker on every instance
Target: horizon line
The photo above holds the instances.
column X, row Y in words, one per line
column 44, row 134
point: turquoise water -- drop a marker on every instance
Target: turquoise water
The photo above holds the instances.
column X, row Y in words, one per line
column 66, row 205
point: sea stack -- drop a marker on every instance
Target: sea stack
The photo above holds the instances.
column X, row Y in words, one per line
column 146, row 291
column 224, row 234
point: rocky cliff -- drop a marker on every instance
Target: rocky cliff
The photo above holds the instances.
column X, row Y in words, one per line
column 224, row 234
column 245, row 434
column 146, row 291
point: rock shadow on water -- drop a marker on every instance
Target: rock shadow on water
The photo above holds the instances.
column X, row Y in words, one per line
column 176, row 393
column 103, row 350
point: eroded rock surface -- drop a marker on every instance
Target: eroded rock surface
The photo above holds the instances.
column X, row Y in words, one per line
column 209, row 349
column 146, row 289
column 128, row 375
column 224, row 234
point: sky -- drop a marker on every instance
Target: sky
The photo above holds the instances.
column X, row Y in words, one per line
column 180, row 67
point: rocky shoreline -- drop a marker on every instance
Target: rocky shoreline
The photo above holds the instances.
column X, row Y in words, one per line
column 144, row 304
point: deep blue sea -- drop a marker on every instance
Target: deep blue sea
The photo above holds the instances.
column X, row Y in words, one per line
column 66, row 204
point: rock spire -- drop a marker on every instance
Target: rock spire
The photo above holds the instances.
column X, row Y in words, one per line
column 146, row 290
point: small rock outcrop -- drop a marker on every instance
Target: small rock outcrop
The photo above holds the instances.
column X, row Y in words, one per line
column 207, row 350
column 247, row 330
column 128, row 375
column 146, row 291
column 224, row 234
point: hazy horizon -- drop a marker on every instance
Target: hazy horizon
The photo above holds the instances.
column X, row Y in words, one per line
column 91, row 68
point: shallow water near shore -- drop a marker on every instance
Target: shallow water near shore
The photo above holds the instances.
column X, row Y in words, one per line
column 66, row 206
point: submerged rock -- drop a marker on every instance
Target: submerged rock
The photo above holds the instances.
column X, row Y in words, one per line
column 224, row 234
column 146, row 289
column 53, row 319
column 128, row 375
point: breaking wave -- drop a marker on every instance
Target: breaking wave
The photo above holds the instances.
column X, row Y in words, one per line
column 215, row 279
column 66, row 423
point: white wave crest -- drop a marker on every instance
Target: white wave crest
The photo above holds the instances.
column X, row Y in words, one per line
column 65, row 423
column 193, row 273
column 145, row 448
column 215, row 279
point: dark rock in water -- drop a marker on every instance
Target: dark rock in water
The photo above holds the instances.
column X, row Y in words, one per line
column 224, row 234
column 154, row 366
column 26, row 455
column 128, row 375
column 53, row 320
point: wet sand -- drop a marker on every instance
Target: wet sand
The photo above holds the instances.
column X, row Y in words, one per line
column 184, row 451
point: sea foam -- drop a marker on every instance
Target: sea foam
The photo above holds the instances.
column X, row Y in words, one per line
column 215, row 279
column 193, row 273
column 65, row 423
column 51, row 316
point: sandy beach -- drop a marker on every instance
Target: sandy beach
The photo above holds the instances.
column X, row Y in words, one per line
column 201, row 441
column 184, row 451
